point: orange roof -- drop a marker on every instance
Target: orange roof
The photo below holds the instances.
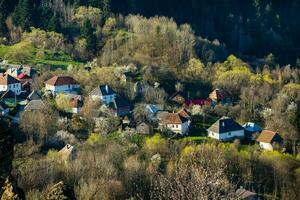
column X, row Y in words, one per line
column 174, row 118
column 268, row 136
column 184, row 113
column 61, row 80
column 6, row 79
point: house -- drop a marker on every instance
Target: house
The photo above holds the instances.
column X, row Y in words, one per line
column 144, row 128
column 103, row 93
column 62, row 84
column 175, row 123
column 3, row 109
column 217, row 95
column 14, row 71
column 8, row 82
column 178, row 97
column 35, row 105
column 243, row 194
column 199, row 102
column 268, row 139
column 251, row 129
column 119, row 106
column 76, row 104
column 69, row 152
column 226, row 129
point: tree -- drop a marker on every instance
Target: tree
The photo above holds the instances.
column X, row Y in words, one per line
column 54, row 24
column 87, row 32
column 22, row 15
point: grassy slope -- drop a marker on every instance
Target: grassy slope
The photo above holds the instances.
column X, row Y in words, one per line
column 55, row 60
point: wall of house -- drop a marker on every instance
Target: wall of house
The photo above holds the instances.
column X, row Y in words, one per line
column 107, row 99
column 227, row 135
column 16, row 88
column 75, row 110
column 266, row 146
column 61, row 88
column 179, row 128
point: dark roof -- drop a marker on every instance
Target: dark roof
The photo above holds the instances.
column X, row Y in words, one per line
column 61, row 80
column 174, row 118
column 34, row 95
column 120, row 102
column 3, row 106
column 225, row 124
column 35, row 105
column 6, row 79
column 102, row 90
column 217, row 94
column 7, row 94
column 251, row 127
column 269, row 137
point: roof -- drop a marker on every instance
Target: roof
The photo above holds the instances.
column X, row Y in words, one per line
column 6, row 79
column 35, row 105
column 102, row 90
column 217, row 94
column 224, row 125
column 152, row 108
column 244, row 194
column 7, row 94
column 200, row 102
column 184, row 113
column 3, row 106
column 61, row 80
column 268, row 136
column 251, row 127
column 174, row 118
column 178, row 94
column 34, row 95
column 120, row 102
column 23, row 75
column 68, row 152
column 14, row 71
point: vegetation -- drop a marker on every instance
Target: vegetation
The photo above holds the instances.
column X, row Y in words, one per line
column 250, row 50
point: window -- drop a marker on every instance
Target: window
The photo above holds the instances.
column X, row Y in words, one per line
column 176, row 126
column 229, row 134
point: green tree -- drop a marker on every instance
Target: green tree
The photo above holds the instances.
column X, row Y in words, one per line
column 54, row 24
column 87, row 31
column 22, row 15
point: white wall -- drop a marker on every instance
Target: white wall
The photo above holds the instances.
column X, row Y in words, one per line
column 107, row 99
column 266, row 146
column 16, row 88
column 179, row 128
column 227, row 135
column 61, row 88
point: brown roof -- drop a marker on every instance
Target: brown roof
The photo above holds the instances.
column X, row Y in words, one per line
column 184, row 113
column 174, row 118
column 61, row 80
column 268, row 136
column 6, row 79
column 217, row 94
column 76, row 102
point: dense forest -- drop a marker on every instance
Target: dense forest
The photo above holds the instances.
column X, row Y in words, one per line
column 252, row 27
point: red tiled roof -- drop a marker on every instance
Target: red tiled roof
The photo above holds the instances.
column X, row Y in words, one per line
column 174, row 118
column 23, row 75
column 61, row 80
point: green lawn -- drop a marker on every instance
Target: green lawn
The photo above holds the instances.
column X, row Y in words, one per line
column 55, row 64
column 196, row 139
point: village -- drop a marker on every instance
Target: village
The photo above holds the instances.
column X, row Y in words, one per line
column 178, row 119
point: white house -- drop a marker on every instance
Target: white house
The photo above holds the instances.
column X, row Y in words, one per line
column 61, row 84
column 76, row 105
column 7, row 82
column 267, row 139
column 226, row 129
column 176, row 123
column 103, row 93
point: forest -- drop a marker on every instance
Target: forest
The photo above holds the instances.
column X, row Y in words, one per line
column 145, row 52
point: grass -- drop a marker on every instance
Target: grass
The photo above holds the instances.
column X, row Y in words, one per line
column 196, row 139
column 26, row 53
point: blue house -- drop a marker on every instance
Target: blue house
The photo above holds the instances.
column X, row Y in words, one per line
column 250, row 129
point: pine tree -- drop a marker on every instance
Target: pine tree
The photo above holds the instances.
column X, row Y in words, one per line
column 87, row 32
column 54, row 24
column 22, row 14
column 3, row 27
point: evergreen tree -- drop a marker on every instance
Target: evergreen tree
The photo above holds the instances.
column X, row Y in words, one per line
column 22, row 15
column 3, row 27
column 87, row 32
column 54, row 24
